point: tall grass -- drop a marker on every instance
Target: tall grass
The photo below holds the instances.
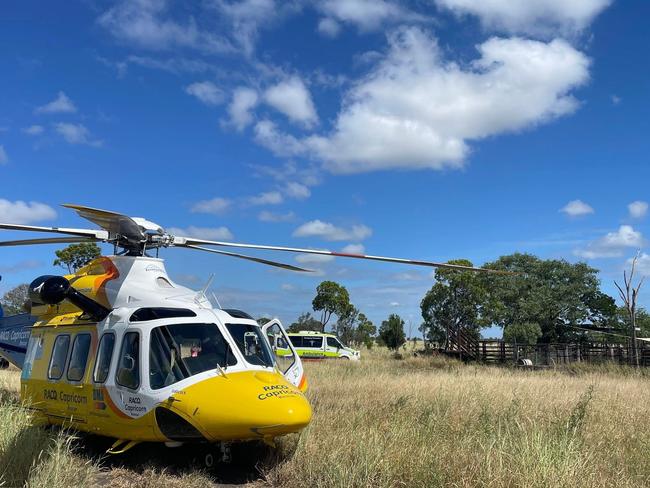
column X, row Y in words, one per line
column 425, row 421
column 435, row 422
column 32, row 456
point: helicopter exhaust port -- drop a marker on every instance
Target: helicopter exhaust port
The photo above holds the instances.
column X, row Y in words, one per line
column 52, row 290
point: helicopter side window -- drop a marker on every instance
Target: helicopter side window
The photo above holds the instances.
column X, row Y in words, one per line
column 179, row 351
column 79, row 357
column 128, row 369
column 104, row 355
column 252, row 344
column 59, row 356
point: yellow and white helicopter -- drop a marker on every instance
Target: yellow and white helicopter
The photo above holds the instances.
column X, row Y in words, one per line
column 120, row 350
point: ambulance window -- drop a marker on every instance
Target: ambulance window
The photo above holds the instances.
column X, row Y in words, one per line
column 59, row 355
column 332, row 342
column 79, row 357
column 313, row 342
column 296, row 341
column 104, row 355
column 128, row 369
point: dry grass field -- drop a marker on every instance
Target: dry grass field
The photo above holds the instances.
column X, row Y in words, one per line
column 420, row 421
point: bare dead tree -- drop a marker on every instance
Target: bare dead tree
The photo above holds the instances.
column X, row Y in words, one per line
column 629, row 294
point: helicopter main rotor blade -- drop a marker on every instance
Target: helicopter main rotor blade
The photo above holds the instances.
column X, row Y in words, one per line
column 115, row 223
column 190, row 241
column 47, row 240
column 101, row 235
column 249, row 258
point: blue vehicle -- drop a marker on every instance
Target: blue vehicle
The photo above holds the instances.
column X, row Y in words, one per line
column 14, row 336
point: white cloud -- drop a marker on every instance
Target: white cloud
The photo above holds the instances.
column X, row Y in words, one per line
column 329, row 27
column 267, row 134
column 354, row 249
column 366, row 14
column 287, row 287
column 248, row 17
column 209, row 233
column 638, row 209
column 642, row 264
column 417, row 111
column 536, row 17
column 243, row 101
column 616, row 100
column 61, row 104
column 410, row 276
column 292, row 98
column 266, row 216
column 576, row 208
column 76, row 134
column 33, row 130
column 314, row 258
column 4, row 159
column 144, row 24
column 289, row 171
column 330, row 232
column 20, row 212
column 297, row 190
column 214, row 206
column 613, row 244
column 205, row 91
column 267, row 198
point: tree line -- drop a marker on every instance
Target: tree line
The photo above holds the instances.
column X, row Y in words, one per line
column 538, row 300
column 533, row 300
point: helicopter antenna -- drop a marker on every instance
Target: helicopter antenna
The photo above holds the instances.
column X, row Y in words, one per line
column 202, row 293
column 216, row 300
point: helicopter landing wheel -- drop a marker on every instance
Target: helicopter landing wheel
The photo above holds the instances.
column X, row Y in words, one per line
column 208, row 460
column 226, row 453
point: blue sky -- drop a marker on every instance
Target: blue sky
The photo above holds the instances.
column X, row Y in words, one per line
column 433, row 129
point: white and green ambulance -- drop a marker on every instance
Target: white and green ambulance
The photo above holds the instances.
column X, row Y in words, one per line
column 321, row 345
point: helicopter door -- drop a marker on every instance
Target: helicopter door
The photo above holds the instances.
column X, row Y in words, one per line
column 286, row 357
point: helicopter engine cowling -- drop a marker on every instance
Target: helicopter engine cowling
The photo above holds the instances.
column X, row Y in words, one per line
column 53, row 290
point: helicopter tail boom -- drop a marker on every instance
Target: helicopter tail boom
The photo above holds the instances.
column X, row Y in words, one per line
column 14, row 335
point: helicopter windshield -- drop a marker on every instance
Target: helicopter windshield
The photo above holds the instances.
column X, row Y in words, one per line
column 252, row 344
column 182, row 350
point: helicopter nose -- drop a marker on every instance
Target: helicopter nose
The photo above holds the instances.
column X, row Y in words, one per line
column 244, row 405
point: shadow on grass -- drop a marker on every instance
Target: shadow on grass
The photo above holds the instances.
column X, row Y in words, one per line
column 249, row 459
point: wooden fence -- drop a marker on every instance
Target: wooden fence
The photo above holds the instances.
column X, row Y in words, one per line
column 465, row 347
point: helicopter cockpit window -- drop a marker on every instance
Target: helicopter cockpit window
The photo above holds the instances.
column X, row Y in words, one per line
column 59, row 356
column 182, row 350
column 252, row 344
column 128, row 369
